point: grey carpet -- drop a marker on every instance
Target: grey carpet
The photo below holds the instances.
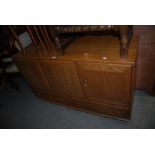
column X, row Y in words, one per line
column 22, row 110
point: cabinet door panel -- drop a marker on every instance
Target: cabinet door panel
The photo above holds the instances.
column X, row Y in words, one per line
column 63, row 77
column 106, row 82
column 33, row 73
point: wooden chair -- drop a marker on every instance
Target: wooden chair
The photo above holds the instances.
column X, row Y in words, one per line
column 7, row 67
column 122, row 31
column 41, row 39
column 8, row 71
column 49, row 39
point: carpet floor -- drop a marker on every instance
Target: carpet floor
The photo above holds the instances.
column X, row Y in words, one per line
column 22, row 110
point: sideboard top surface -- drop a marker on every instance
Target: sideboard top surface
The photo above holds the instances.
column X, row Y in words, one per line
column 89, row 48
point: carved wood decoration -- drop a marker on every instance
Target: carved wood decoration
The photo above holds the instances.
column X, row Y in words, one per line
column 85, row 28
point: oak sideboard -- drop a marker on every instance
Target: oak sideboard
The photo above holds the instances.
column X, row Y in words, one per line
column 90, row 76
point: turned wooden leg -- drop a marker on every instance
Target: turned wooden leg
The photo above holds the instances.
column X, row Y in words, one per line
column 123, row 41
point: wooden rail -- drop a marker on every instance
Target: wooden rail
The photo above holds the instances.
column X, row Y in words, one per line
column 46, row 38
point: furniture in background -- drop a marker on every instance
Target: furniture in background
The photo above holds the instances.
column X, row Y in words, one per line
column 8, row 69
column 91, row 73
column 145, row 77
column 123, row 31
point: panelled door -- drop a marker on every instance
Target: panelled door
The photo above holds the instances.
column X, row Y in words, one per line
column 108, row 83
column 63, row 77
column 33, row 74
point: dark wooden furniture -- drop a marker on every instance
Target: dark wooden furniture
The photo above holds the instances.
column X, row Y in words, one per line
column 8, row 69
column 145, row 78
column 89, row 76
column 122, row 31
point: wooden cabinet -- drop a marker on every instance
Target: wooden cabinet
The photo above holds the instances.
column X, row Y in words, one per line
column 145, row 75
column 33, row 74
column 63, row 77
column 108, row 83
column 82, row 79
